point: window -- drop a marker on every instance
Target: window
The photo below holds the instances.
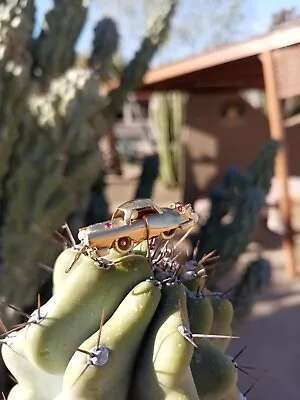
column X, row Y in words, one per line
column 232, row 113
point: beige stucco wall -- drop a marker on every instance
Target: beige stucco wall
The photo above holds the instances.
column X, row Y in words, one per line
column 210, row 143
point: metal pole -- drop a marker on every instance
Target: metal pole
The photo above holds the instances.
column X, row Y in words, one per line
column 277, row 132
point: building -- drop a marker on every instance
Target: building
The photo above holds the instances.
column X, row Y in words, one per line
column 223, row 129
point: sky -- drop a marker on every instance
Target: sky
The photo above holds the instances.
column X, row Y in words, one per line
column 260, row 12
column 264, row 9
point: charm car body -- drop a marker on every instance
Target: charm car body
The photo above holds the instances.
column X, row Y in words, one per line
column 135, row 221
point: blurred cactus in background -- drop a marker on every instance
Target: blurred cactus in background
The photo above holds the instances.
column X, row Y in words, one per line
column 167, row 115
column 148, row 177
column 236, row 207
column 52, row 116
column 105, row 45
column 255, row 277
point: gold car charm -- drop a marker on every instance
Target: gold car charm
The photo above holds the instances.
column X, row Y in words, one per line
column 133, row 222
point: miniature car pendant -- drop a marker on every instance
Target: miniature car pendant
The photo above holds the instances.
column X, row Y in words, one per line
column 133, row 222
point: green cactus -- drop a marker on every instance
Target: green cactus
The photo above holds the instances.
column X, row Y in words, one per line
column 255, row 277
column 93, row 290
column 167, row 113
column 261, row 171
column 48, row 42
column 51, row 119
column 223, row 317
column 105, row 46
column 148, row 177
column 240, row 199
column 129, row 330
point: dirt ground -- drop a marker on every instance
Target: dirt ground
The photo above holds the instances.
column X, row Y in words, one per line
column 272, row 336
column 272, row 333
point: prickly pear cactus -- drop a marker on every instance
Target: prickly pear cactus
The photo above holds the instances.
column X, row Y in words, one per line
column 134, row 327
column 51, row 119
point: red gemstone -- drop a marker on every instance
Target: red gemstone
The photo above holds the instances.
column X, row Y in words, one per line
column 108, row 225
column 180, row 208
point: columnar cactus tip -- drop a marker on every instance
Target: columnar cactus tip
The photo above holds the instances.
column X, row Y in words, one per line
column 141, row 325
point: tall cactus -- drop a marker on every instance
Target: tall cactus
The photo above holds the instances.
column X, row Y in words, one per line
column 51, row 119
column 17, row 21
column 133, row 72
column 241, row 198
column 105, row 45
column 53, row 51
column 167, row 113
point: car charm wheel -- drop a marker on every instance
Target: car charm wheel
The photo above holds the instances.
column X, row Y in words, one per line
column 123, row 244
column 168, row 234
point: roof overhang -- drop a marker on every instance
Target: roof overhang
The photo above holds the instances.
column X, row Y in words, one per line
column 236, row 66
